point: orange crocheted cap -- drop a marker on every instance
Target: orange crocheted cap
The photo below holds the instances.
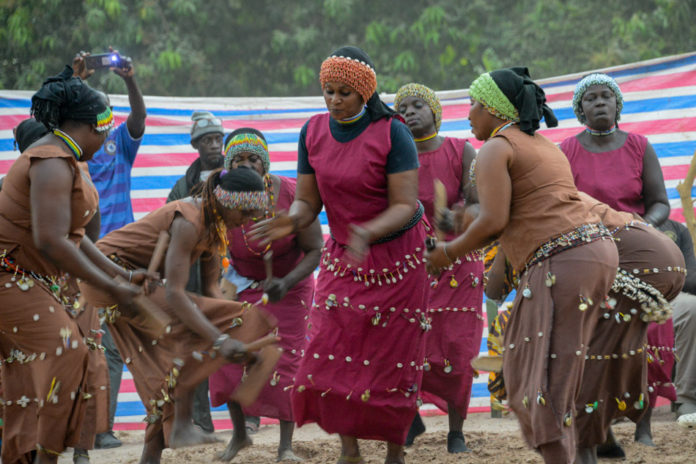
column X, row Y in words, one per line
column 354, row 73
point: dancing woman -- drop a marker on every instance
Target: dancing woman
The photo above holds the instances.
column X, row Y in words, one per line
column 290, row 293
column 528, row 201
column 47, row 200
column 206, row 331
column 361, row 371
column 456, row 295
column 621, row 169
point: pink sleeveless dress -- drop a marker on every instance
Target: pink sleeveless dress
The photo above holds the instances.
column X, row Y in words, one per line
column 616, row 178
column 291, row 313
column 362, row 368
column 456, row 297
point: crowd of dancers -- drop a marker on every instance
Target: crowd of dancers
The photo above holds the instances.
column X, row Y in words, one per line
column 394, row 316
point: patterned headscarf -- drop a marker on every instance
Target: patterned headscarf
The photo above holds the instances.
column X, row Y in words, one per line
column 511, row 95
column 246, row 140
column 424, row 93
column 587, row 82
column 64, row 97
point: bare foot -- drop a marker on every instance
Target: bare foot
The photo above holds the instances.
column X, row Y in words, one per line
column 288, row 455
column 189, row 435
column 234, row 447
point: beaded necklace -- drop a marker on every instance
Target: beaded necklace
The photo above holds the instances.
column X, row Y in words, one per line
column 269, row 213
column 501, row 128
column 598, row 133
column 354, row 118
column 427, row 137
column 72, row 145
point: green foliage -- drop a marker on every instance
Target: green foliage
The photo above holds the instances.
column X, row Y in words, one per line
column 268, row 47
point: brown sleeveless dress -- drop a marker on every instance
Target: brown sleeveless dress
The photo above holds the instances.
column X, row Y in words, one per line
column 48, row 386
column 163, row 365
column 615, row 377
column 548, row 333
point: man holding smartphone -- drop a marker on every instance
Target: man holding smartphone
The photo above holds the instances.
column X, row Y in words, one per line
column 110, row 169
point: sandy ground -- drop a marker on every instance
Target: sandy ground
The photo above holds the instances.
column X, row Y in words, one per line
column 493, row 441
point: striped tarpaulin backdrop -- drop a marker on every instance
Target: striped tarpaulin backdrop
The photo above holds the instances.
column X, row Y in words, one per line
column 660, row 103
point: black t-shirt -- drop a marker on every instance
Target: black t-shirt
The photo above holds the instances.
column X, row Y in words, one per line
column 402, row 157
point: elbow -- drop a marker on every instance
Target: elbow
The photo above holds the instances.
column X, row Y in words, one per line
column 47, row 244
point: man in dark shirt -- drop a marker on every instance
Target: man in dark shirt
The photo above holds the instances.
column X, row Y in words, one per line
column 684, row 318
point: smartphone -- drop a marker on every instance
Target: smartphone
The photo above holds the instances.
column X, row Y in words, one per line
column 107, row 60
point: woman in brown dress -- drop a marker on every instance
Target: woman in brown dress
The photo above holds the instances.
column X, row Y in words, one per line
column 46, row 201
column 615, row 378
column 528, row 201
column 205, row 331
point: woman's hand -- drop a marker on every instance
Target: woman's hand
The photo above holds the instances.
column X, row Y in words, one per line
column 437, row 258
column 235, row 351
column 147, row 280
column 124, row 293
column 358, row 245
column 276, row 289
column 277, row 227
column 445, row 221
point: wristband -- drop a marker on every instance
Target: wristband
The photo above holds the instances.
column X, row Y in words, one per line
column 130, row 276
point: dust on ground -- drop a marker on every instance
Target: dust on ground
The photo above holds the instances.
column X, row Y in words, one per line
column 493, row 441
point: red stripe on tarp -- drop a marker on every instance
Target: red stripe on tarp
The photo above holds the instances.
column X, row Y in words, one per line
column 145, row 205
column 640, row 84
column 10, row 121
column 153, row 160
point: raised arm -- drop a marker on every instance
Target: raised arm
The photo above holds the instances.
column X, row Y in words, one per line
column 494, row 192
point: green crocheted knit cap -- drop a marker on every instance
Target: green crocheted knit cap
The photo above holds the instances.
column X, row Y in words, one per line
column 486, row 91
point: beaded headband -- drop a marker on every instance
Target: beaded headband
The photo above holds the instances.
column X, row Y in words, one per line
column 485, row 91
column 245, row 201
column 247, row 142
column 105, row 120
column 587, row 82
column 424, row 93
column 351, row 72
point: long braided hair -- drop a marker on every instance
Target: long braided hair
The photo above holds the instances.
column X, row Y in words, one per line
column 235, row 180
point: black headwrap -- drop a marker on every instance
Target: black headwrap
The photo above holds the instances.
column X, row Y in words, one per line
column 375, row 106
column 527, row 96
column 27, row 132
column 64, row 97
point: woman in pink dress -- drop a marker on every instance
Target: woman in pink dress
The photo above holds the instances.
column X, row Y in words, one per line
column 456, row 296
column 361, row 372
column 621, row 169
column 290, row 293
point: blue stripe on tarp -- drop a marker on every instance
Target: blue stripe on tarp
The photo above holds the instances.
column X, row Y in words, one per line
column 630, row 107
column 685, row 148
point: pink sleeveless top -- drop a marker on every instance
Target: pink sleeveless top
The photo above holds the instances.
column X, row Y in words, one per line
column 351, row 176
column 247, row 254
column 613, row 177
column 445, row 164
